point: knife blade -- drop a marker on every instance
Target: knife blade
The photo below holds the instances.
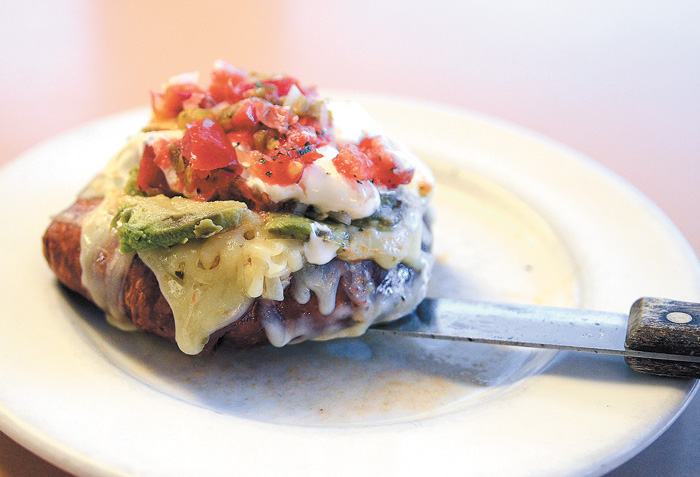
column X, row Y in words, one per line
column 658, row 336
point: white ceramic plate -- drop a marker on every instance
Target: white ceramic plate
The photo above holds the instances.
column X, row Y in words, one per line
column 519, row 218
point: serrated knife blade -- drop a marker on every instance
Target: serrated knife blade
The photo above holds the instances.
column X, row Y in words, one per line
column 658, row 336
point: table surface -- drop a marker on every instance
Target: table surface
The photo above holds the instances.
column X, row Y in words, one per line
column 614, row 80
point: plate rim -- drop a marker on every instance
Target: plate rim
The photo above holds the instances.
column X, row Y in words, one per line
column 70, row 460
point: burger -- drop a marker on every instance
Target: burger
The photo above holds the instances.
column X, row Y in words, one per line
column 246, row 213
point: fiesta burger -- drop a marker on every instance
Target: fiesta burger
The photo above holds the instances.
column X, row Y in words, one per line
column 249, row 212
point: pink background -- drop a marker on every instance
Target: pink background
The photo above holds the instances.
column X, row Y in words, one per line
column 618, row 81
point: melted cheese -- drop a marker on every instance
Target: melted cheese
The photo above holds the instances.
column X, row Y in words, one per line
column 318, row 249
column 104, row 267
column 401, row 244
column 211, row 283
column 396, row 296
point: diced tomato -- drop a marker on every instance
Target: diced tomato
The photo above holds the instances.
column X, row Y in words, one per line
column 308, row 154
column 391, row 177
column 151, row 179
column 272, row 116
column 161, row 149
column 244, row 137
column 252, row 112
column 245, row 116
column 168, row 104
column 283, row 166
column 305, row 155
column 282, row 84
column 299, row 136
column 278, row 168
column 206, row 147
column 353, row 163
column 371, row 161
column 208, row 185
column 387, row 172
column 321, row 131
column 232, row 85
column 227, row 82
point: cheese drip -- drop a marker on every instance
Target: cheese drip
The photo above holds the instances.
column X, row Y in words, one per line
column 400, row 244
column 104, row 266
column 395, row 296
column 211, row 283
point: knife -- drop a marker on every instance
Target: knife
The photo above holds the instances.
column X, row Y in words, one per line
column 658, row 336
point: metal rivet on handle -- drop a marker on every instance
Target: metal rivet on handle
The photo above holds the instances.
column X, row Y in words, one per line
column 679, row 317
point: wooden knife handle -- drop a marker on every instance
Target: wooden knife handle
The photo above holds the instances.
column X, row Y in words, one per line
column 664, row 326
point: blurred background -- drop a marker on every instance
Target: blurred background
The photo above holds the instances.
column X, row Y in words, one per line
column 617, row 81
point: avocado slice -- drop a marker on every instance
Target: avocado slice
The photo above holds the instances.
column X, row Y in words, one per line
column 388, row 215
column 301, row 228
column 162, row 222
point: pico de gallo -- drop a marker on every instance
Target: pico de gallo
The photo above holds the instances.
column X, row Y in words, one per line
column 245, row 126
